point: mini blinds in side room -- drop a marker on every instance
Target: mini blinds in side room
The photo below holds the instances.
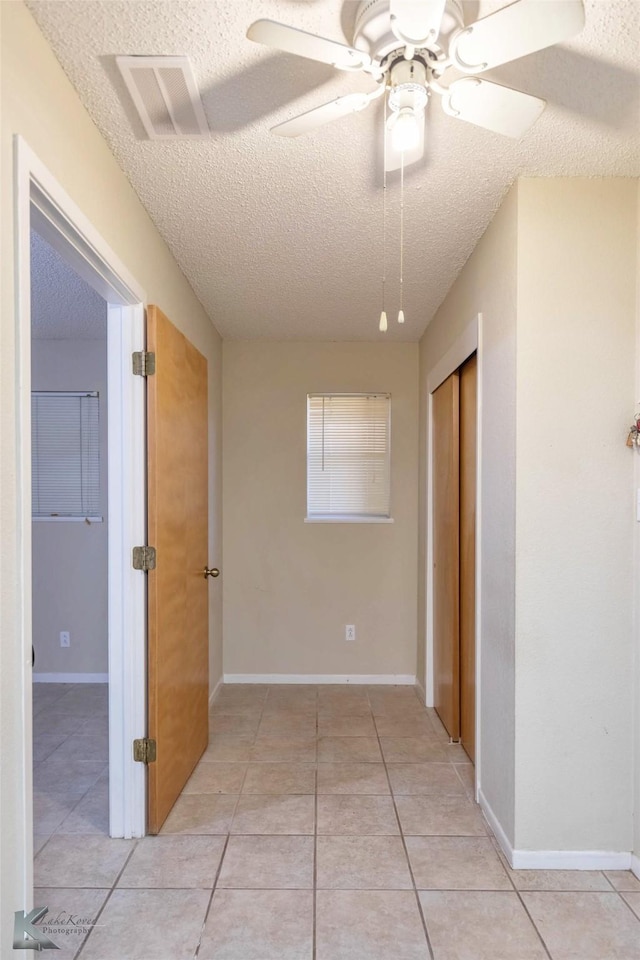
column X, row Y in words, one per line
column 348, row 456
column 65, row 455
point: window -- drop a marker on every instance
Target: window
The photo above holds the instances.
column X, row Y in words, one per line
column 65, row 455
column 348, row 444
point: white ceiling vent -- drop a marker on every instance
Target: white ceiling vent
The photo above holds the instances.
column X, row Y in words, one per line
column 166, row 96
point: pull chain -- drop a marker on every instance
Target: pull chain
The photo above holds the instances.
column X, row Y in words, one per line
column 401, row 311
column 383, row 315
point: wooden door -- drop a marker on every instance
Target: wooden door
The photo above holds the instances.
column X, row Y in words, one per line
column 468, row 407
column 178, row 628
column 446, row 535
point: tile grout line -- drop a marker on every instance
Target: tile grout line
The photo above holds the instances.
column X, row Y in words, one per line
column 228, row 834
column 246, row 770
column 628, row 905
column 107, row 899
column 453, row 764
column 531, row 920
column 402, row 839
column 491, row 838
column 469, row 795
column 59, row 832
column 45, row 705
column 355, row 889
column 620, row 894
column 524, row 906
column 81, row 796
column 315, row 795
column 210, row 903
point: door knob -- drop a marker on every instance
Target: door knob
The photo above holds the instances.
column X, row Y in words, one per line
column 211, row 572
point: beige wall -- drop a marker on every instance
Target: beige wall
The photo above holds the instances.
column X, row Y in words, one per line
column 39, row 103
column 575, row 513
column 70, row 558
column 290, row 587
column 487, row 284
column 555, row 280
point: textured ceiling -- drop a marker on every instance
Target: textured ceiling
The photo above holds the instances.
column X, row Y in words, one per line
column 63, row 306
column 282, row 238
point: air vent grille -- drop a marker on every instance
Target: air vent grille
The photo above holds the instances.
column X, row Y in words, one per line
column 165, row 95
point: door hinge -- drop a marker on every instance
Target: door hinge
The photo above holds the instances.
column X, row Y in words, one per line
column 144, row 363
column 144, row 750
column 144, row 558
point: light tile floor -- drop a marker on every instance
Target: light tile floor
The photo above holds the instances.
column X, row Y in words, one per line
column 70, row 754
column 322, row 823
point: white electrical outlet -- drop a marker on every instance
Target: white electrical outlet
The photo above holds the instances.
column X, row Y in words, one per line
column 65, row 638
column 350, row 632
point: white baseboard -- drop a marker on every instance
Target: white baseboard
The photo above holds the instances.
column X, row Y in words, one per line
column 70, row 677
column 214, row 692
column 635, row 865
column 571, row 860
column 403, row 679
column 496, row 826
column 422, row 693
column 556, row 859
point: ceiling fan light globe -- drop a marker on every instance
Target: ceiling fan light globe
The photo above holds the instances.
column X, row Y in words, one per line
column 405, row 133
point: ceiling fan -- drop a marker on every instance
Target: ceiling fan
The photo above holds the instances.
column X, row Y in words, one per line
column 407, row 46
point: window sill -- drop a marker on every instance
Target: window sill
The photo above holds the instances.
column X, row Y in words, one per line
column 68, row 519
column 348, row 520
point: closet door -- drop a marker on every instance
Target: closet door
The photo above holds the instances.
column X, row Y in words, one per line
column 468, row 407
column 446, row 553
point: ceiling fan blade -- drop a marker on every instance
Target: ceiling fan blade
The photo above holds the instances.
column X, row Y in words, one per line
column 303, row 44
column 492, row 106
column 515, row 31
column 394, row 158
column 317, row 117
column 416, row 22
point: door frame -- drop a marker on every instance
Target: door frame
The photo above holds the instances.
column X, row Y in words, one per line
column 40, row 202
column 468, row 342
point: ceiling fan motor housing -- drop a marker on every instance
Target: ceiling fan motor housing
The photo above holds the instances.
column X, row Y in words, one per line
column 408, row 85
column 373, row 33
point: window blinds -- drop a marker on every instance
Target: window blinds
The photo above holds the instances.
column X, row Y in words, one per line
column 348, row 455
column 65, row 454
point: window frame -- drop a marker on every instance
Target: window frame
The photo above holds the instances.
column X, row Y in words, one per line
column 353, row 517
column 72, row 518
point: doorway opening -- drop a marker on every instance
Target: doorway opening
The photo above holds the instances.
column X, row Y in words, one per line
column 454, row 538
column 69, row 472
column 464, row 540
column 44, row 208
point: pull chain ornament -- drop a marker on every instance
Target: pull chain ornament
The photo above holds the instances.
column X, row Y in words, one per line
column 401, row 311
column 382, row 326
